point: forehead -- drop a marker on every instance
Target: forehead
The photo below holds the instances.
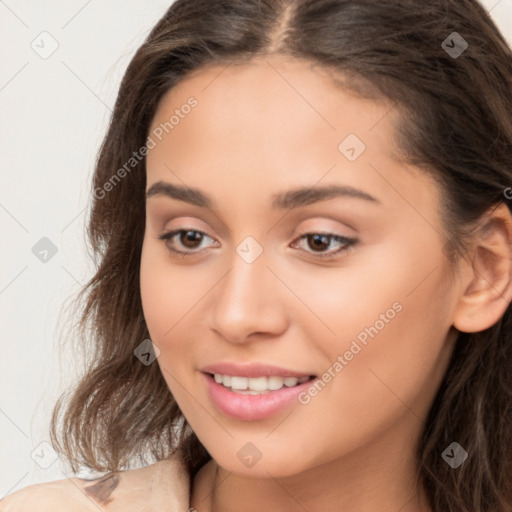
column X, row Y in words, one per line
column 271, row 103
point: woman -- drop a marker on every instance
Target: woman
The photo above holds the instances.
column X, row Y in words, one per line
column 302, row 220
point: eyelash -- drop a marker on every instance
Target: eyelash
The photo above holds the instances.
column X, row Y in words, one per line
column 349, row 243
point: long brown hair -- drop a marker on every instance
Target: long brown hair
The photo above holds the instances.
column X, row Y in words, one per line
column 456, row 123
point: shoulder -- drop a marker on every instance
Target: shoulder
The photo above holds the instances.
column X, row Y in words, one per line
column 49, row 496
column 162, row 487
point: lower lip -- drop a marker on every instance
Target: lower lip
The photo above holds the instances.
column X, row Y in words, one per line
column 253, row 407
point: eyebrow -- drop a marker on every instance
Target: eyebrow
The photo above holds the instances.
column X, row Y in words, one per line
column 283, row 200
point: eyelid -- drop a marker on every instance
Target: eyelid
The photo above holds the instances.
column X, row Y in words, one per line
column 329, row 226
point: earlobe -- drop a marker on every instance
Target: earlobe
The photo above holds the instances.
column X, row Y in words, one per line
column 487, row 285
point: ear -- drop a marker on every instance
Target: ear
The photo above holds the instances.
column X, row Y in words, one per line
column 487, row 279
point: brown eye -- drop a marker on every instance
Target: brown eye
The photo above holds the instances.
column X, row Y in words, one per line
column 187, row 239
column 317, row 243
column 190, row 238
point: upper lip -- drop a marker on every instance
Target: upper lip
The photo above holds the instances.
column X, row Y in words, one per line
column 252, row 370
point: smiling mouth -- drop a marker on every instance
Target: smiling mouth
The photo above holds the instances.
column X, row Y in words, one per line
column 257, row 385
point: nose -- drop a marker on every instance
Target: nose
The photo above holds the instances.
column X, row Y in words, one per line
column 249, row 301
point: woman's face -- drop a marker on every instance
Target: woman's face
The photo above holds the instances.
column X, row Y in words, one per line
column 369, row 313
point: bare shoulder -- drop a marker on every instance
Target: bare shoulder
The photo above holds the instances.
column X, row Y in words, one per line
column 68, row 493
column 162, row 487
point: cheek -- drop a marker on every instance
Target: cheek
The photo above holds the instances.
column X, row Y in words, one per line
column 394, row 347
column 172, row 296
column 336, row 304
column 393, row 360
column 168, row 291
column 156, row 294
column 389, row 325
column 165, row 300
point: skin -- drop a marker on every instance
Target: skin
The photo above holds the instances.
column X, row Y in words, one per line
column 265, row 127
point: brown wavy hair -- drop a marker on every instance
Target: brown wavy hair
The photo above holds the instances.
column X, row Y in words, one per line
column 455, row 123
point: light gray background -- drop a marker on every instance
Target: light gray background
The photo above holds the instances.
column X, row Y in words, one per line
column 54, row 113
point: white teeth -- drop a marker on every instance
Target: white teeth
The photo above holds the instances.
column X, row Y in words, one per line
column 275, row 383
column 290, row 381
column 237, row 382
column 257, row 385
